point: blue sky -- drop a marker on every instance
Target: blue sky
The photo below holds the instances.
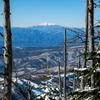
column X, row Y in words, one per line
column 24, row 13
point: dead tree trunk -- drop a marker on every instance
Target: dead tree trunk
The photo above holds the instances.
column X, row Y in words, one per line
column 85, row 42
column 29, row 89
column 7, row 51
column 91, row 35
column 59, row 75
column 74, row 84
column 79, row 61
column 65, row 63
column 85, row 34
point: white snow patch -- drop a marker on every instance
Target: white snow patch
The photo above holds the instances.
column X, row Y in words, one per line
column 47, row 98
column 47, row 90
column 31, row 83
column 75, row 68
column 68, row 74
column 37, row 92
column 98, row 51
column 1, row 79
column 19, row 48
column 98, row 70
column 21, row 73
column 14, row 79
column 20, row 82
column 45, row 24
column 82, row 69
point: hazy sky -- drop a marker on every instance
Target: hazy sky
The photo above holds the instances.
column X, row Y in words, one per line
column 24, row 13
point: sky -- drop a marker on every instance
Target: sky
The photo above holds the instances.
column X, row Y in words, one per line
column 25, row 13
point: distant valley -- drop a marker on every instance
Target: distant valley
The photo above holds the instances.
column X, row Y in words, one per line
column 36, row 57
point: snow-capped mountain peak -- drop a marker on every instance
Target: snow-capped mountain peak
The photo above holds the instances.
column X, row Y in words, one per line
column 45, row 24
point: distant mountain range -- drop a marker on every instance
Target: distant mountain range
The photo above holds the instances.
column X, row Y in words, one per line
column 43, row 35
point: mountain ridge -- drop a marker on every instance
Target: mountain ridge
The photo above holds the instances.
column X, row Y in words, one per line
column 38, row 36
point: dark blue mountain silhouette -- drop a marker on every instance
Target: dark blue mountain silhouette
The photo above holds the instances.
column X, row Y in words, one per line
column 37, row 36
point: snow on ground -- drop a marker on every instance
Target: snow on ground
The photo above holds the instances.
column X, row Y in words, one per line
column 98, row 69
column 67, row 75
column 20, row 73
column 31, row 83
column 1, row 79
column 20, row 83
column 98, row 51
column 40, row 88
column 37, row 91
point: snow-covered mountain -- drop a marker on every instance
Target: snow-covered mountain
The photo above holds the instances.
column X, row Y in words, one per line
column 37, row 57
column 45, row 24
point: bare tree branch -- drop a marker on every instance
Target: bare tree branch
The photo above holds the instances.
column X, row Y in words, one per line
column 20, row 90
column 1, row 54
column 2, row 35
column 97, row 37
column 96, row 5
